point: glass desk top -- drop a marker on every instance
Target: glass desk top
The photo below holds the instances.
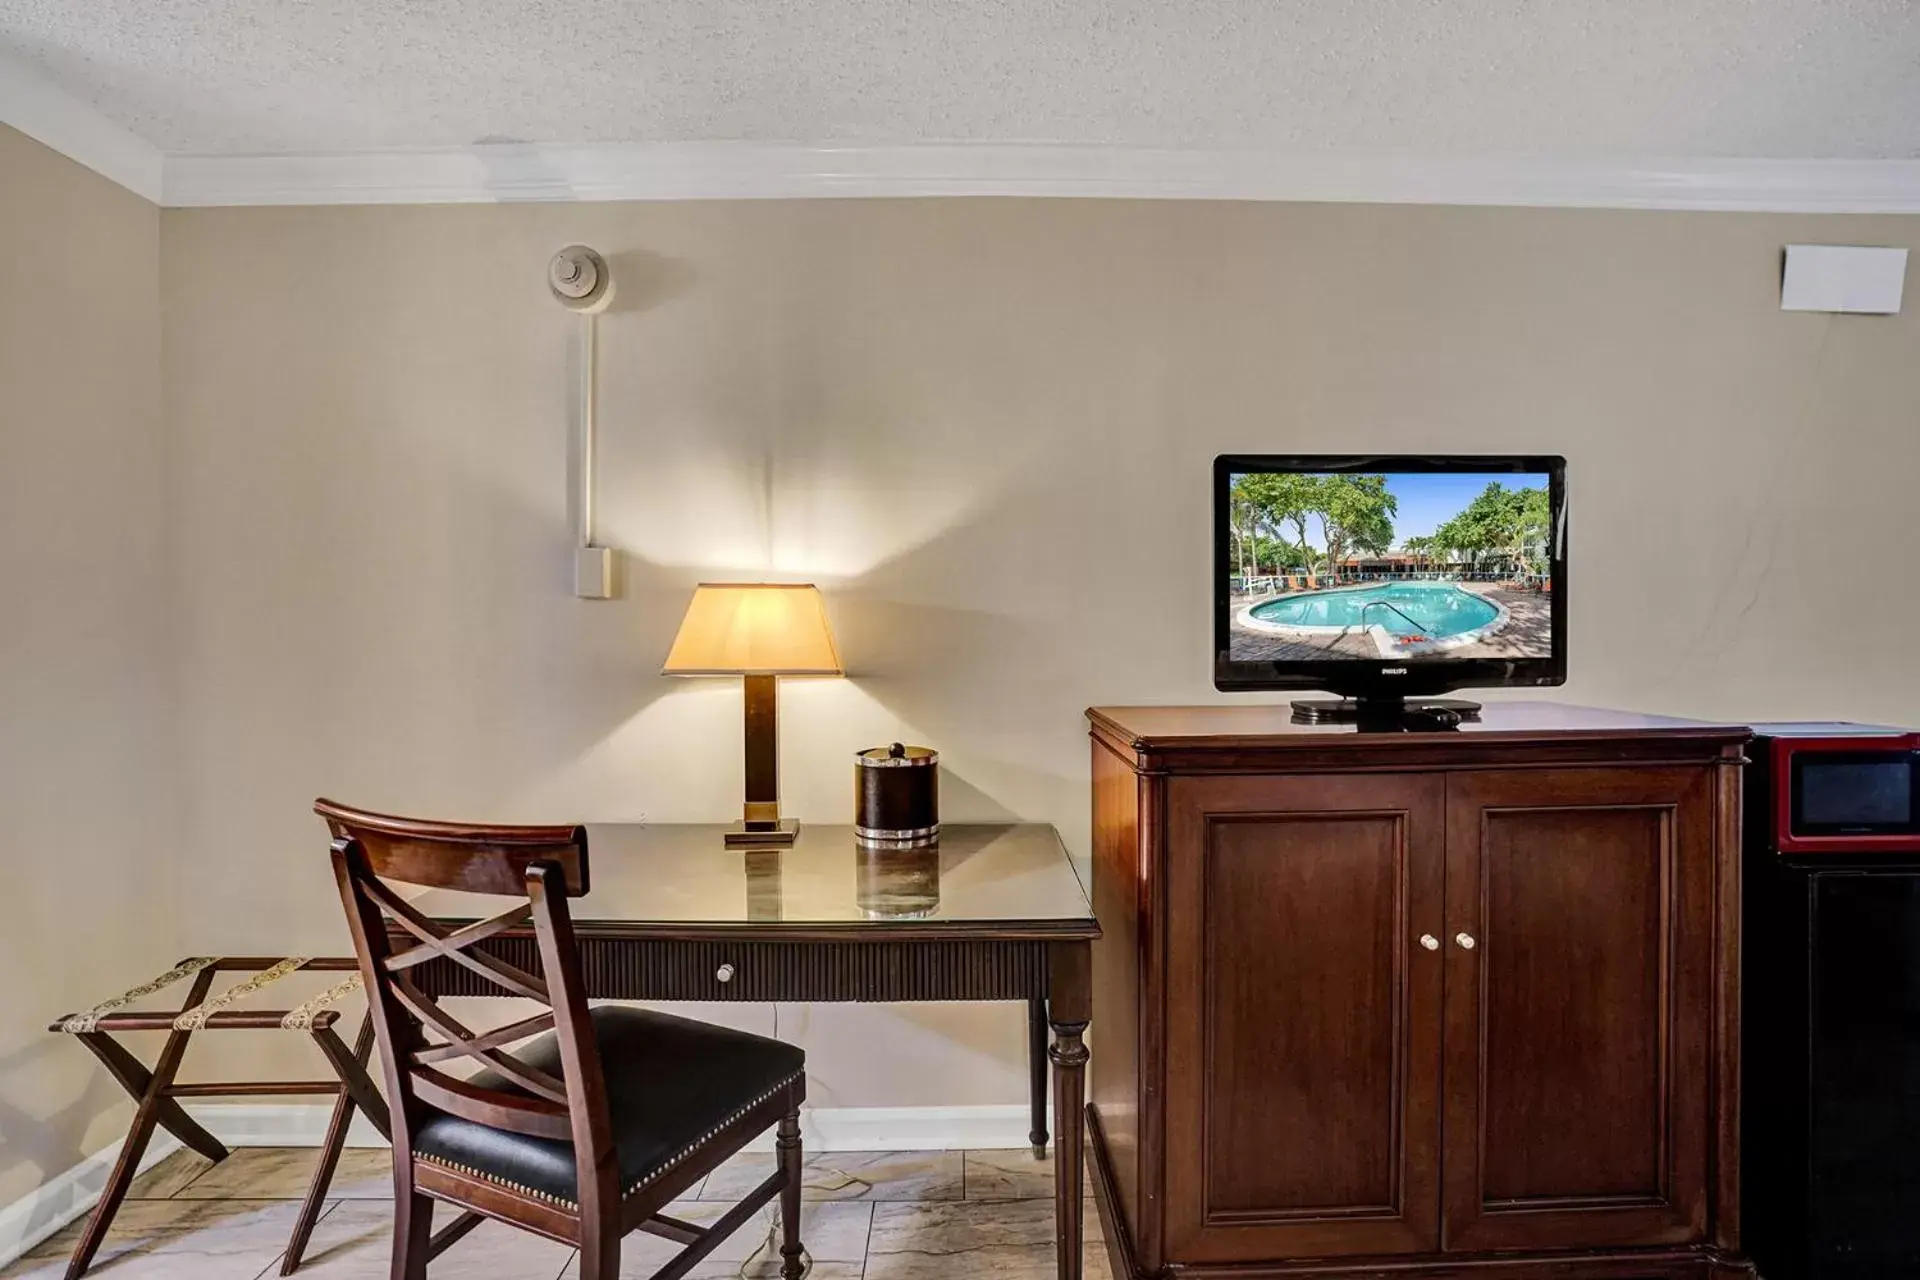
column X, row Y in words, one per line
column 661, row 878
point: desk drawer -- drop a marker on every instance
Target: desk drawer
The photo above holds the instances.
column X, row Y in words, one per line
column 701, row 969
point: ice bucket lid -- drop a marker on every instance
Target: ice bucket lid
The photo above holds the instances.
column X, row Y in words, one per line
column 896, row 756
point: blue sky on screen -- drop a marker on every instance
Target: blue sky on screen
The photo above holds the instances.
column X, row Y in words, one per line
column 1428, row 501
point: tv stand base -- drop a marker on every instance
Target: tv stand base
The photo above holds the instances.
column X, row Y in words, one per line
column 1387, row 715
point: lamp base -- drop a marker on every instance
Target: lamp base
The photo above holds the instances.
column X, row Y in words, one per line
column 739, row 836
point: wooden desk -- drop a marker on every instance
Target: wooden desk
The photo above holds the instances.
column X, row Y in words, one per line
column 992, row 913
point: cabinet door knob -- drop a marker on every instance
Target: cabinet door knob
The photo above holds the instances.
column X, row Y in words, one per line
column 1430, row 942
column 724, row 973
column 1465, row 940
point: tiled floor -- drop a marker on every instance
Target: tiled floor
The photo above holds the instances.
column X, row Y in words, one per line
column 895, row 1215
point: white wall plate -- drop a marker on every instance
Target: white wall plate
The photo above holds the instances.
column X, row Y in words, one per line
column 1845, row 278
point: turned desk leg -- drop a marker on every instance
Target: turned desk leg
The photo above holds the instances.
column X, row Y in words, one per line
column 1038, row 1040
column 1069, row 1008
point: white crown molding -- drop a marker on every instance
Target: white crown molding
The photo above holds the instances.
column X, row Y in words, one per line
column 518, row 172
column 751, row 171
column 42, row 110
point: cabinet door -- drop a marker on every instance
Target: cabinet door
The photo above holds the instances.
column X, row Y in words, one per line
column 1579, row 1007
column 1303, row 1039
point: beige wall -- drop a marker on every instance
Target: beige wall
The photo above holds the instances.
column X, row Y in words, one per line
column 985, row 428
column 86, row 792
column 338, row 562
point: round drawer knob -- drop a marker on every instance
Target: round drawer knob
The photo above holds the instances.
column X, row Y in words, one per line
column 1465, row 940
column 724, row 973
column 1430, row 942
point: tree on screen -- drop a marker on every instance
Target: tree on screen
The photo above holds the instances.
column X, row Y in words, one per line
column 1282, row 500
column 1263, row 507
column 1240, row 524
column 1356, row 515
column 1511, row 524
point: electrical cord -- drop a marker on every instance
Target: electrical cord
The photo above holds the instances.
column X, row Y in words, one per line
column 770, row 1246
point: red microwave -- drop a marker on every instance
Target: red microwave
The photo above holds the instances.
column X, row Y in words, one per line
column 1844, row 788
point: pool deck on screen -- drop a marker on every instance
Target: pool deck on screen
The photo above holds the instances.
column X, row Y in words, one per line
column 1527, row 634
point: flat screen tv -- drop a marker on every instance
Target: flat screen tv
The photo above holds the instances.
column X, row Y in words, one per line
column 1387, row 578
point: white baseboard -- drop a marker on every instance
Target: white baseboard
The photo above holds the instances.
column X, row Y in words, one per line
column 913, row 1128
column 296, row 1124
column 64, row 1197
column 821, row 1128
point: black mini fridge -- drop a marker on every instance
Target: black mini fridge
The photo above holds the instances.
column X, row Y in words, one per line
column 1830, row 1128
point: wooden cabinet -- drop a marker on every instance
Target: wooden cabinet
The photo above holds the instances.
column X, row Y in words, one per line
column 1304, row 1050
column 1577, row 1030
column 1454, row 1002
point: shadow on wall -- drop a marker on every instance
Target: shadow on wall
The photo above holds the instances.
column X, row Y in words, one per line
column 483, row 691
column 965, row 679
column 960, row 797
column 462, row 677
column 644, row 281
column 459, row 664
column 982, row 675
column 34, row 1141
column 867, row 491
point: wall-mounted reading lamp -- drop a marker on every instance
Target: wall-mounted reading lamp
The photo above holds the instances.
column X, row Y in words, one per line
column 581, row 282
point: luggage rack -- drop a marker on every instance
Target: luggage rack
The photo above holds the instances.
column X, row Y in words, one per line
column 156, row 1092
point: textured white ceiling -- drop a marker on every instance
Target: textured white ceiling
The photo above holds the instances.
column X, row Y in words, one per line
column 1787, row 78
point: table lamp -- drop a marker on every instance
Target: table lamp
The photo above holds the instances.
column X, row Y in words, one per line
column 759, row 630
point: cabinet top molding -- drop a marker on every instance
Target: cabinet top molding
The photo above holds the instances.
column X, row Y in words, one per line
column 1210, row 738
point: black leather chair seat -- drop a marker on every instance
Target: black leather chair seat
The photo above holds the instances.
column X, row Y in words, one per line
column 670, row 1083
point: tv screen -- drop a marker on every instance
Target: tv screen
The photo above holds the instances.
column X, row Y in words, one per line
column 1381, row 577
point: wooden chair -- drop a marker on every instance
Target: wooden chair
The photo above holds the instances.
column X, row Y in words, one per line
column 582, row 1134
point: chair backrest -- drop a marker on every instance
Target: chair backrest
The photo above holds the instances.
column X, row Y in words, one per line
column 540, row 866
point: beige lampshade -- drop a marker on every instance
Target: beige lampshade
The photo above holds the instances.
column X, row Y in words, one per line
column 754, row 628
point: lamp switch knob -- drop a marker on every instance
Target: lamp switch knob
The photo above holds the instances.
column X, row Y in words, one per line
column 724, row 973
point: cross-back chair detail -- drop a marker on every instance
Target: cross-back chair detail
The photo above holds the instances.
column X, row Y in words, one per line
column 524, row 861
column 447, row 1129
column 457, row 1039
